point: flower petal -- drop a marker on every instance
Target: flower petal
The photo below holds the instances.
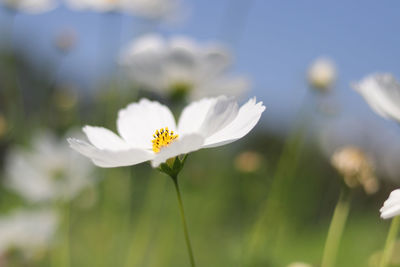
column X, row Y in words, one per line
column 144, row 60
column 222, row 112
column 182, row 145
column 391, row 207
column 193, row 115
column 248, row 116
column 138, row 122
column 31, row 6
column 109, row 158
column 182, row 54
column 382, row 93
column 103, row 138
column 233, row 86
column 213, row 60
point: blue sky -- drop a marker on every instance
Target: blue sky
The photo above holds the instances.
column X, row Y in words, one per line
column 273, row 42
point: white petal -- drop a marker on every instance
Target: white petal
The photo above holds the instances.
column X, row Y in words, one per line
column 391, row 207
column 182, row 62
column 221, row 114
column 108, row 158
column 193, row 115
column 389, row 213
column 182, row 53
column 103, row 138
column 147, row 43
column 138, row 122
column 248, row 116
column 215, row 59
column 27, row 178
column 31, row 6
column 30, row 231
column 232, row 86
column 382, row 93
column 144, row 60
column 183, row 145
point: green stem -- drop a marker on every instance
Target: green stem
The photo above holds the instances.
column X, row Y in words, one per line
column 390, row 241
column 336, row 229
column 185, row 228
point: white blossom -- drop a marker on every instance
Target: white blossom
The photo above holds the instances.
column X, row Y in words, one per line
column 151, row 9
column 382, row 93
column 28, row 231
column 391, row 207
column 322, row 73
column 181, row 66
column 46, row 172
column 30, row 6
column 148, row 131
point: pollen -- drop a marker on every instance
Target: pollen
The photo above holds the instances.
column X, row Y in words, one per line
column 163, row 138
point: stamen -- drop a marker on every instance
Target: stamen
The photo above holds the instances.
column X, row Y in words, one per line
column 163, row 138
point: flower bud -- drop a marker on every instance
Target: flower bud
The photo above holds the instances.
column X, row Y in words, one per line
column 248, row 161
column 352, row 163
column 322, row 74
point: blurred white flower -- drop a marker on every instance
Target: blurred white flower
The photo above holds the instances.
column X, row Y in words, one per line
column 382, row 93
column 391, row 207
column 152, row 9
column 48, row 171
column 180, row 67
column 149, row 132
column 322, row 74
column 27, row 231
column 30, row 6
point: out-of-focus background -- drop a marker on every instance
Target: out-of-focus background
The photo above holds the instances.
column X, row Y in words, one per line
column 266, row 200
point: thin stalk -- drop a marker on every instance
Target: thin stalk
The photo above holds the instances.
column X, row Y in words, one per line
column 390, row 241
column 336, row 228
column 185, row 228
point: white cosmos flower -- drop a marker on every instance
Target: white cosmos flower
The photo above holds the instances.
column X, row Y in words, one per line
column 382, row 93
column 47, row 172
column 152, row 9
column 322, row 73
column 210, row 122
column 28, row 231
column 180, row 65
column 391, row 207
column 30, row 6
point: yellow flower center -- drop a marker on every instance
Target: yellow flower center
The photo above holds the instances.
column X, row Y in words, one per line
column 163, row 138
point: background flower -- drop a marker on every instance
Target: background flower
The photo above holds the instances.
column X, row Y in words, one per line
column 322, row 73
column 391, row 207
column 355, row 167
column 30, row 6
column 382, row 93
column 180, row 66
column 152, row 9
column 48, row 171
column 28, row 231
